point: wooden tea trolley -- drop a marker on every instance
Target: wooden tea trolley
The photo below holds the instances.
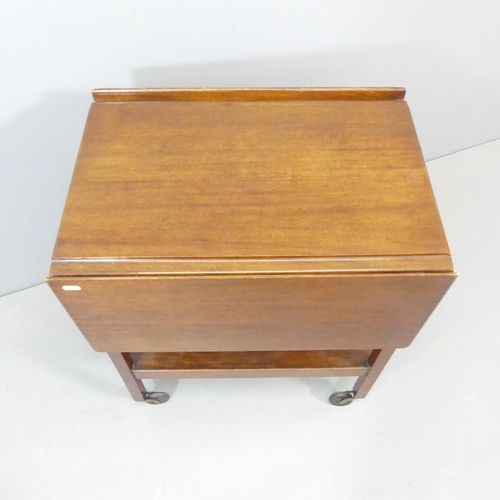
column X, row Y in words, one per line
column 250, row 232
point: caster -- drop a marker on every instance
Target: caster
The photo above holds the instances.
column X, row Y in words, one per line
column 342, row 398
column 156, row 398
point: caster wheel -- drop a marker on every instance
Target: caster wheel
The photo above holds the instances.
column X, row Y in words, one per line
column 156, row 398
column 342, row 398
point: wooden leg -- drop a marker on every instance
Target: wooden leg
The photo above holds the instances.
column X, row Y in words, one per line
column 378, row 359
column 123, row 363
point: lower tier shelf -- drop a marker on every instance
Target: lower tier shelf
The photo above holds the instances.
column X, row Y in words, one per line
column 250, row 364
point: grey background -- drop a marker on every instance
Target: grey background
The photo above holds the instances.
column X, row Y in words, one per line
column 445, row 52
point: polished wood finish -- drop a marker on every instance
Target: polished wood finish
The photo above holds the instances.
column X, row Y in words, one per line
column 250, row 232
column 277, row 181
column 327, row 265
column 251, row 364
column 378, row 359
column 190, row 314
column 123, row 363
column 249, row 95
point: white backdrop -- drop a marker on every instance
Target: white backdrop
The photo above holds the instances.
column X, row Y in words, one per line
column 445, row 52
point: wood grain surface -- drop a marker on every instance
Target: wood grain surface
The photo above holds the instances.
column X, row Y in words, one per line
column 250, row 232
column 137, row 267
column 215, row 314
column 248, row 94
column 249, row 180
column 250, row 364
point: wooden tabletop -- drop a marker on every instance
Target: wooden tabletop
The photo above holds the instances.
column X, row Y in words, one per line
column 314, row 183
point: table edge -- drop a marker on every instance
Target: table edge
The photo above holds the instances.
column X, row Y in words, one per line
column 249, row 94
column 250, row 266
